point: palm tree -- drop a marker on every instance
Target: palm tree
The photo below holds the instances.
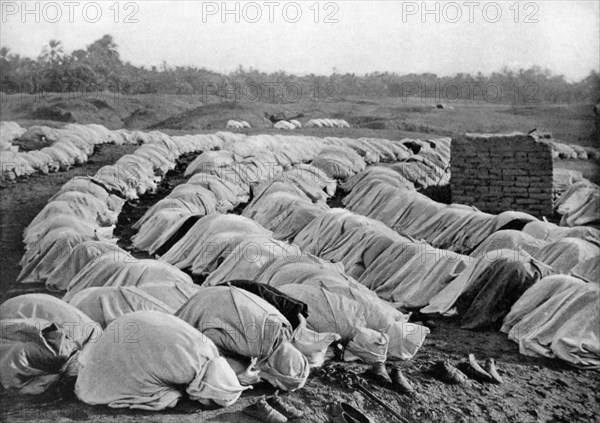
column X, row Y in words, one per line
column 4, row 51
column 105, row 48
column 53, row 52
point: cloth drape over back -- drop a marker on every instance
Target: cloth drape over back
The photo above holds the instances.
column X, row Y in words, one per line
column 147, row 359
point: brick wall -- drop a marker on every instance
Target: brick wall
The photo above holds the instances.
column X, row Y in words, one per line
column 496, row 173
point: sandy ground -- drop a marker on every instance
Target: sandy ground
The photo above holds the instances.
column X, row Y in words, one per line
column 535, row 390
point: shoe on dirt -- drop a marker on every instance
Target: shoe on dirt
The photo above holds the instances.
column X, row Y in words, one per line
column 284, row 408
column 474, row 370
column 450, row 374
column 400, row 383
column 490, row 368
column 378, row 373
column 348, row 413
column 262, row 411
column 346, row 418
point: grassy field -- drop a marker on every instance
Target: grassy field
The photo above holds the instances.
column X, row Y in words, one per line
column 573, row 124
column 392, row 118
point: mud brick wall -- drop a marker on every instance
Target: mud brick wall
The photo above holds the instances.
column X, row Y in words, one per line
column 496, row 173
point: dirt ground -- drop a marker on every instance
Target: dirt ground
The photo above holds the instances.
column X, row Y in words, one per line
column 20, row 202
column 535, row 390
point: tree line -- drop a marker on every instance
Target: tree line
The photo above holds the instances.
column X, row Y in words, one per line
column 99, row 67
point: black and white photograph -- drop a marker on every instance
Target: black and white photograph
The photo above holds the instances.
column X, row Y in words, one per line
column 312, row 211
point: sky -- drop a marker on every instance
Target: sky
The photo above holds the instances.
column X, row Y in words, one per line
column 317, row 37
